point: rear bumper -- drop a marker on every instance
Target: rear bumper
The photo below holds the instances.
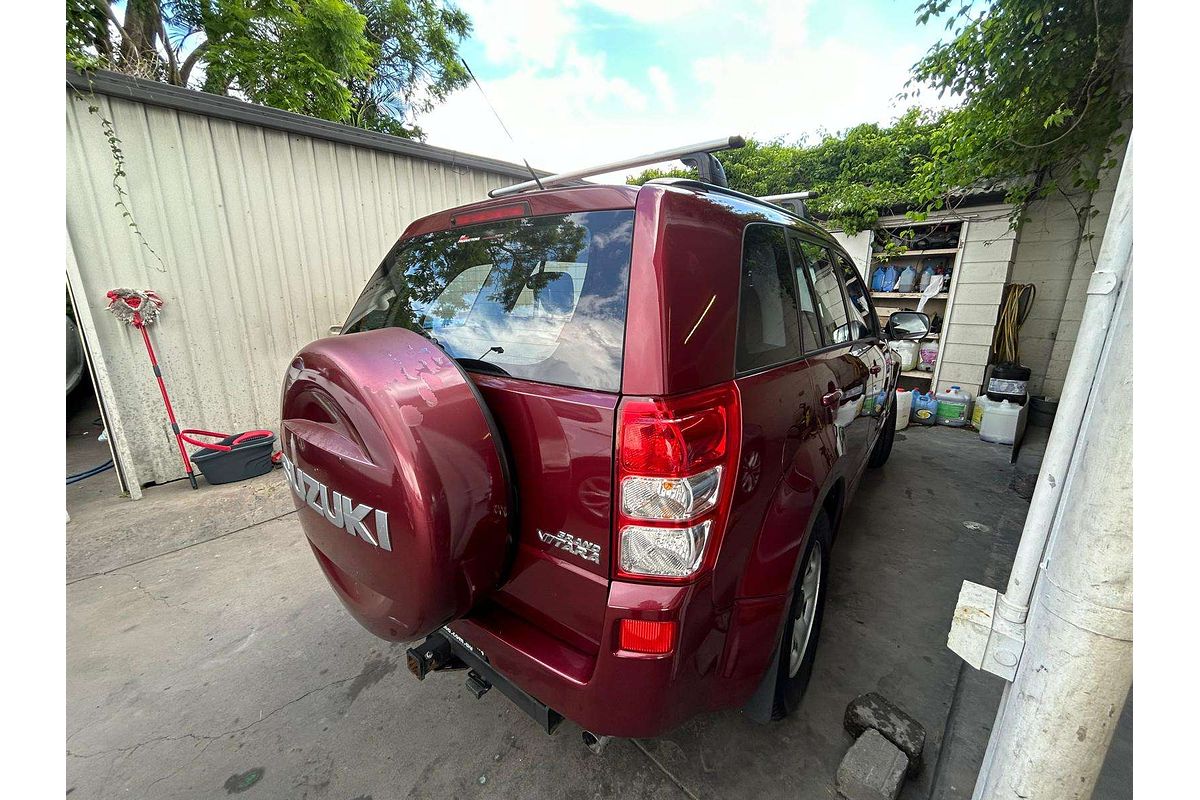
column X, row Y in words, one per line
column 718, row 660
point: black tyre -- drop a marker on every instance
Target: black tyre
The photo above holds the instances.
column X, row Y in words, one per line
column 883, row 445
column 802, row 629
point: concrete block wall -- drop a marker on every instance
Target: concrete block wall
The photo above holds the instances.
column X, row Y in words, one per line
column 1056, row 251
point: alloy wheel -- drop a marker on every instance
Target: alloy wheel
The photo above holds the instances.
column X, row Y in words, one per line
column 806, row 611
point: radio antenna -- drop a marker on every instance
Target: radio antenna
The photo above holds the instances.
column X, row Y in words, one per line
column 496, row 114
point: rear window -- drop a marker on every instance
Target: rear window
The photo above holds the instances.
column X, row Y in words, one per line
column 540, row 298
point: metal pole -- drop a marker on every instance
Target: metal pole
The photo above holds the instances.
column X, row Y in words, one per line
column 727, row 143
column 1057, row 718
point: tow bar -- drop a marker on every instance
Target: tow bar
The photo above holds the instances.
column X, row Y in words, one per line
column 445, row 650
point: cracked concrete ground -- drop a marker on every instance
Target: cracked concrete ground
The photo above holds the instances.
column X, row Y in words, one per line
column 207, row 657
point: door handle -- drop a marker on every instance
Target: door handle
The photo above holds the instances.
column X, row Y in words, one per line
column 876, row 369
column 833, row 399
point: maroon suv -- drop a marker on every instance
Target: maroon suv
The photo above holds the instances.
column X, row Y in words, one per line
column 593, row 445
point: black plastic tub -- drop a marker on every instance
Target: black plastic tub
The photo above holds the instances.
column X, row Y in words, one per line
column 243, row 459
column 1042, row 411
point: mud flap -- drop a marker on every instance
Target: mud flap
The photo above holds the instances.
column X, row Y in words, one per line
column 758, row 707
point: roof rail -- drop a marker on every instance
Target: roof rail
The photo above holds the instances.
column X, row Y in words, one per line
column 693, row 153
column 792, row 201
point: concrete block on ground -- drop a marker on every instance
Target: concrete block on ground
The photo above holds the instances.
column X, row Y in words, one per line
column 873, row 711
column 872, row 769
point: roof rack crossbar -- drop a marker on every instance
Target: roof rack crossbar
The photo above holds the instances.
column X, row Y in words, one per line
column 728, row 143
column 792, row 201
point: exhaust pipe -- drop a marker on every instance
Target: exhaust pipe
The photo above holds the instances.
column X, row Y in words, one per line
column 596, row 743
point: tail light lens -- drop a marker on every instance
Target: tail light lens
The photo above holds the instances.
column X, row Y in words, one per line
column 676, row 468
column 647, row 636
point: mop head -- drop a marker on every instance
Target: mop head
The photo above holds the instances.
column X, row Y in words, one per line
column 134, row 307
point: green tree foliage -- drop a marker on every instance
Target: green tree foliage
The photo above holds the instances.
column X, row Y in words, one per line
column 1043, row 90
column 854, row 174
column 1045, row 86
column 371, row 63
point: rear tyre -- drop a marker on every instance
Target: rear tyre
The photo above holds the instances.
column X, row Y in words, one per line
column 883, row 445
column 802, row 628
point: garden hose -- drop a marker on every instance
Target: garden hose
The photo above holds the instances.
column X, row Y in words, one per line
column 1006, row 344
column 87, row 473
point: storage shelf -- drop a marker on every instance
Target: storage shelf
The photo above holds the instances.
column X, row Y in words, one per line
column 906, row 296
column 942, row 251
column 916, row 373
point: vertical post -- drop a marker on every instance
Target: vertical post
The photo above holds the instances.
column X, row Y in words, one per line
column 1074, row 675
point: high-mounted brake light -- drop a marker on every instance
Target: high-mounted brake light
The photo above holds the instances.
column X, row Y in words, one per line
column 492, row 214
column 676, row 465
column 647, row 636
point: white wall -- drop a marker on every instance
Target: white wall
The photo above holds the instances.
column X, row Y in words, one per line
column 267, row 237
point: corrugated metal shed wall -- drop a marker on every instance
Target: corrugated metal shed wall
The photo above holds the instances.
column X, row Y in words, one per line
column 266, row 239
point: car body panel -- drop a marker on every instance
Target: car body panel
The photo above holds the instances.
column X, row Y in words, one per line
column 552, row 626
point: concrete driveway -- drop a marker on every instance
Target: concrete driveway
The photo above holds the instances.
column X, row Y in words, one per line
column 207, row 657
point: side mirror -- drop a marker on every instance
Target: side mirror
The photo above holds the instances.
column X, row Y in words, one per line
column 907, row 325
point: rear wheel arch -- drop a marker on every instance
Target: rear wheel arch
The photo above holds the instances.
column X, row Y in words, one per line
column 757, row 581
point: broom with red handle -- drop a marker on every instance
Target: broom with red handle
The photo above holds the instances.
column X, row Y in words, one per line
column 140, row 309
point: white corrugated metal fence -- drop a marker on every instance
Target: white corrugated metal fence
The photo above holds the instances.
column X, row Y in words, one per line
column 266, row 236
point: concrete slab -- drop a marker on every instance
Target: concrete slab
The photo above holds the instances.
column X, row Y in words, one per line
column 196, row 659
column 108, row 530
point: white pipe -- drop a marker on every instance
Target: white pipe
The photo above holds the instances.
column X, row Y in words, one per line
column 727, row 143
column 1110, row 272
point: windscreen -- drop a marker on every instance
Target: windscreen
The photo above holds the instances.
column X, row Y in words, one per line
column 541, row 298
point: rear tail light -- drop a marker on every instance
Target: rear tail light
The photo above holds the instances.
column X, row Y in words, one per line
column 676, row 465
column 647, row 636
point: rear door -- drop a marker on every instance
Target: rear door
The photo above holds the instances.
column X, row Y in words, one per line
column 841, row 376
column 867, row 343
column 782, row 439
column 534, row 309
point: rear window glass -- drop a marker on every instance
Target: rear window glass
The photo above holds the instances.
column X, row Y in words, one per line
column 541, row 298
column 767, row 333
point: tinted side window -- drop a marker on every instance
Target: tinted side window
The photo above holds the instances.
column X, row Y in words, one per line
column 810, row 320
column 831, row 304
column 767, row 320
column 862, row 321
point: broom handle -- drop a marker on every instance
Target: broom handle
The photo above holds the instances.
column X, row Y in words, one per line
column 162, row 387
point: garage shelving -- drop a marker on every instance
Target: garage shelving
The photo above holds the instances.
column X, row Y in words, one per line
column 947, row 258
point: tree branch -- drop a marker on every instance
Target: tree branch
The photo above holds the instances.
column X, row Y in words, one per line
column 108, row 12
column 185, row 72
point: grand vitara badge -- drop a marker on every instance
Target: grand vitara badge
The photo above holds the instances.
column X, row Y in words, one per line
column 338, row 508
column 588, row 551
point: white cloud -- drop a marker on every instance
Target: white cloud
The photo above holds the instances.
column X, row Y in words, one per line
column 664, row 92
column 654, row 11
column 566, row 109
column 528, row 32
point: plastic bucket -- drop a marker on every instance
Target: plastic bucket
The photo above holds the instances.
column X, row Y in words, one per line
column 1042, row 411
column 233, row 458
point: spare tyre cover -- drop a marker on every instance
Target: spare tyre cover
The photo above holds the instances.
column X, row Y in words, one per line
column 399, row 478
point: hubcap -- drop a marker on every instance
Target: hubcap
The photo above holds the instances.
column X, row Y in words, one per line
column 806, row 611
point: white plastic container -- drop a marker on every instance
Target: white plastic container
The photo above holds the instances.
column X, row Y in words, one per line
column 907, row 352
column 983, row 404
column 927, row 355
column 954, row 407
column 903, row 408
column 1000, row 422
column 907, row 280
